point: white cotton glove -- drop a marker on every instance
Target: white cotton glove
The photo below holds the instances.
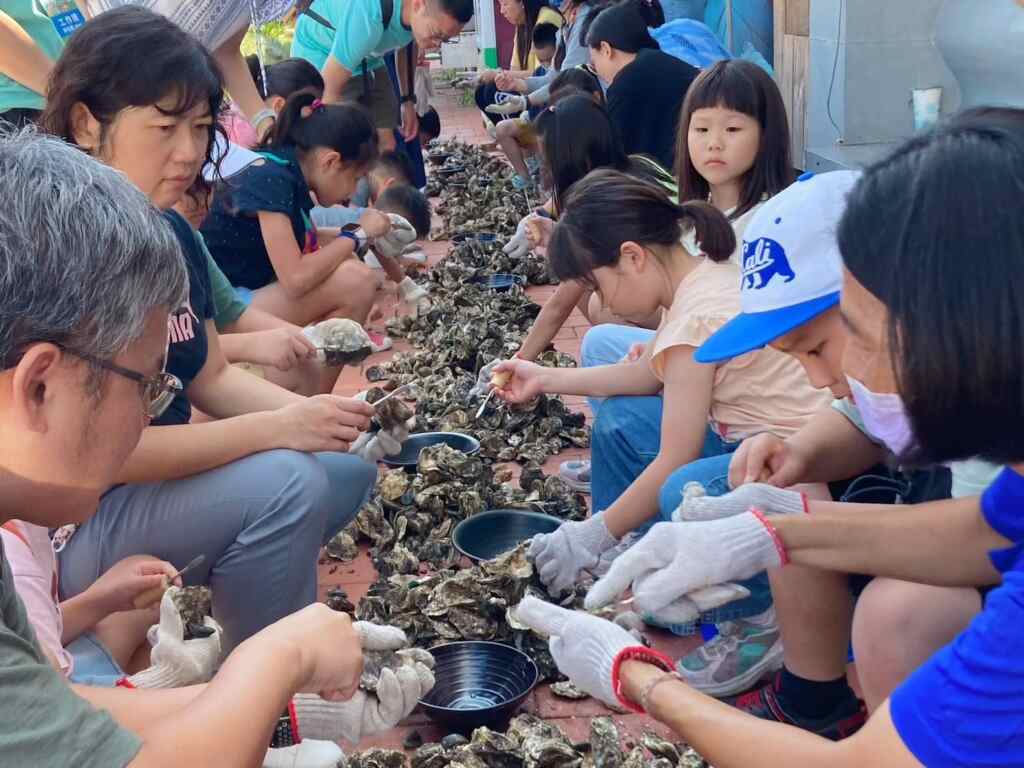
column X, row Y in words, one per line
column 174, row 661
column 371, row 447
column 400, row 235
column 411, row 292
column 379, row 637
column 679, row 570
column 308, row 753
column 483, row 379
column 760, row 496
column 584, row 647
column 573, row 547
column 519, row 245
column 513, row 105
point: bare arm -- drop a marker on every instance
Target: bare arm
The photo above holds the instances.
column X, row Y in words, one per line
column 223, row 391
column 336, row 77
column 237, row 79
column 730, row 738
column 20, row 58
column 834, row 448
column 688, row 386
column 552, row 317
column 634, row 378
column 945, row 543
column 297, row 272
column 207, row 725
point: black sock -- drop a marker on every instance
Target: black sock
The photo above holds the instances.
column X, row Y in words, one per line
column 812, row 698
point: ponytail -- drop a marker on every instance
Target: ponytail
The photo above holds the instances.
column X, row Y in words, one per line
column 609, row 208
column 624, row 26
column 307, row 123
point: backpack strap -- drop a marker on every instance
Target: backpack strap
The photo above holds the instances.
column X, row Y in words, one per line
column 387, row 12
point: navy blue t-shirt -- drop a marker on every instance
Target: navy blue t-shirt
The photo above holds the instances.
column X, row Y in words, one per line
column 188, row 348
column 965, row 705
column 232, row 229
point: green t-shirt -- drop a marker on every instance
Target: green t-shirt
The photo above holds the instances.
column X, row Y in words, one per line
column 31, row 17
column 42, row 721
column 227, row 307
column 358, row 34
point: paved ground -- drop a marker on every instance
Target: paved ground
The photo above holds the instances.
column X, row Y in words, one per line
column 572, row 716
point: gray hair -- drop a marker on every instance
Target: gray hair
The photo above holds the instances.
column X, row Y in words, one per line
column 84, row 255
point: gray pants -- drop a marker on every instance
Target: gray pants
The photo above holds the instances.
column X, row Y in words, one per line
column 260, row 521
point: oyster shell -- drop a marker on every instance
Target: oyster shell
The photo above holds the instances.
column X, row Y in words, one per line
column 342, row 341
column 194, row 604
column 377, row 758
column 342, row 547
column 605, row 744
column 374, row 662
column 566, row 690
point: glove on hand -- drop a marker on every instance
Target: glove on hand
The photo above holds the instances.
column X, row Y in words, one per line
column 174, row 661
column 573, row 547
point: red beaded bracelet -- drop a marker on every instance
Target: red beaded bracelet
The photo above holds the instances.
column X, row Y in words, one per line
column 636, row 653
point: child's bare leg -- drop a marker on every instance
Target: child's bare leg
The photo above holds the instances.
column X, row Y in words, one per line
column 507, row 135
column 122, row 633
column 348, row 292
column 391, row 268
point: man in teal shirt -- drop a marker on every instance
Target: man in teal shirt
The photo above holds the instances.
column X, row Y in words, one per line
column 346, row 40
column 29, row 46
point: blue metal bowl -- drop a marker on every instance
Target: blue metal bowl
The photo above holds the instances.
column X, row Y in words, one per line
column 487, row 535
column 410, row 455
column 499, row 281
column 478, row 683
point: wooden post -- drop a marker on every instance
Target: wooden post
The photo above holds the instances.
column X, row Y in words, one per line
column 791, row 37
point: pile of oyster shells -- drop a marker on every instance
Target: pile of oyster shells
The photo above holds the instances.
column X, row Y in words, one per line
column 410, row 519
column 476, row 191
column 532, row 743
column 469, row 604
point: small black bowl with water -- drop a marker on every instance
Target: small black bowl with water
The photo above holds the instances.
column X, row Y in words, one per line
column 410, row 455
column 478, row 683
column 487, row 535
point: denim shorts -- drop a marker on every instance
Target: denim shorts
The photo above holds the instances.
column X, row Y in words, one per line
column 93, row 663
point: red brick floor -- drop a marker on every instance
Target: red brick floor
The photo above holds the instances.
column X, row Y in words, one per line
column 572, row 716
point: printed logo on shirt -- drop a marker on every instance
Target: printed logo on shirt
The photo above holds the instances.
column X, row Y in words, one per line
column 182, row 324
column 763, row 259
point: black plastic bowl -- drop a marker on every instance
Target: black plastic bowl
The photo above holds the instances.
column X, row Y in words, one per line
column 478, row 683
column 489, row 534
column 447, row 171
column 411, row 448
column 499, row 281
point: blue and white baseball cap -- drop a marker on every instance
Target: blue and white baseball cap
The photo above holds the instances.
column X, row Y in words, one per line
column 792, row 271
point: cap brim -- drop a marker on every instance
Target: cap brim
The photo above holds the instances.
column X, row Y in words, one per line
column 753, row 330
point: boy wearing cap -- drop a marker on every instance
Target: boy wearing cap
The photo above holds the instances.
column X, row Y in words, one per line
column 790, row 301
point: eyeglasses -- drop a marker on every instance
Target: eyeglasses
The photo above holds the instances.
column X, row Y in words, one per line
column 157, row 392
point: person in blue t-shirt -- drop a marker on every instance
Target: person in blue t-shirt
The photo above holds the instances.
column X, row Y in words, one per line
column 936, row 357
column 347, row 40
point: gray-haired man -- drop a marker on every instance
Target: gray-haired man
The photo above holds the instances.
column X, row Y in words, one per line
column 83, row 337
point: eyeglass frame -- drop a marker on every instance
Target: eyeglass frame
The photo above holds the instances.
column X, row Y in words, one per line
column 157, row 391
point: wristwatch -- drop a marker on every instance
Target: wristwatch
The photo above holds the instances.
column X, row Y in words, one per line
column 408, row 98
column 356, row 234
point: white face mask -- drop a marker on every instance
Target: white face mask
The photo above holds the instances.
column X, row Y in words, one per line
column 884, row 416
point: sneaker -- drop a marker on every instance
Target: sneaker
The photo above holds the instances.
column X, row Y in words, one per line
column 765, row 702
column 576, row 472
column 743, row 651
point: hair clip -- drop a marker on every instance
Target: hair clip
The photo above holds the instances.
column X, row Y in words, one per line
column 317, row 104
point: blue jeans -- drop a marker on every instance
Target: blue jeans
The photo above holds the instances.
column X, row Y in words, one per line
column 712, row 472
column 259, row 521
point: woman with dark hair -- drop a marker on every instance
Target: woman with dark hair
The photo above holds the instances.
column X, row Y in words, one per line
column 525, row 16
column 935, row 356
column 646, row 87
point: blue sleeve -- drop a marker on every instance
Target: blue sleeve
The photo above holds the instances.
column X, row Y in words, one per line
column 1002, row 504
column 965, row 706
column 359, row 28
column 262, row 186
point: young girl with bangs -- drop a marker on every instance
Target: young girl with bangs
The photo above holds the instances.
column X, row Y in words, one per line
column 623, row 236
